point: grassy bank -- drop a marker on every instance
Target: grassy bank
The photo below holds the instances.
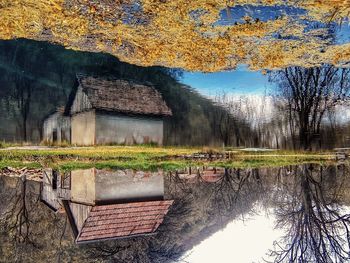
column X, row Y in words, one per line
column 148, row 158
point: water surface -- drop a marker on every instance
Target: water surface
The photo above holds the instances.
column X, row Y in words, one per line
column 286, row 214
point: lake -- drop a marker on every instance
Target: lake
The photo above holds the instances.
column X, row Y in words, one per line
column 196, row 214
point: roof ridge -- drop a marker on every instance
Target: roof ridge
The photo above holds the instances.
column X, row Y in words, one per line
column 114, row 78
column 142, row 203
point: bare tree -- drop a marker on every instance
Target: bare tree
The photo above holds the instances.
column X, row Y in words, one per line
column 317, row 226
column 23, row 95
column 228, row 121
column 309, row 93
column 16, row 219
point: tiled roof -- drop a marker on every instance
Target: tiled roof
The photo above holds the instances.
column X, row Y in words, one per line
column 123, row 96
column 122, row 220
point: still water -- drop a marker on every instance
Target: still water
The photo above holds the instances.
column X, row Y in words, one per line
column 199, row 214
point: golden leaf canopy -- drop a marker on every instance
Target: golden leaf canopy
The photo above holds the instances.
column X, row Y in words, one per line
column 200, row 35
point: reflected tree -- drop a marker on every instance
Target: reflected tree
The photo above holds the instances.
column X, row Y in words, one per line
column 235, row 192
column 317, row 226
column 107, row 250
column 17, row 218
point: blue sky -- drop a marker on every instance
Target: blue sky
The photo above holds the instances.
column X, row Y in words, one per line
column 239, row 81
column 242, row 80
column 343, row 33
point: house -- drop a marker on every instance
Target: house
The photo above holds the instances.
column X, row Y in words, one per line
column 103, row 205
column 204, row 174
column 110, row 111
column 56, row 127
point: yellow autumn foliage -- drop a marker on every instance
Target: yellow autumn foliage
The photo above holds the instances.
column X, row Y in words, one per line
column 181, row 33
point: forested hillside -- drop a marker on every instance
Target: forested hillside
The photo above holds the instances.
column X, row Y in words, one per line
column 37, row 77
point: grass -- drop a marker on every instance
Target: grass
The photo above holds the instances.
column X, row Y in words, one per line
column 148, row 158
column 7, row 144
column 18, row 164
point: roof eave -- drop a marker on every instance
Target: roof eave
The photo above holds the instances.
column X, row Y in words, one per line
column 100, row 109
column 112, row 238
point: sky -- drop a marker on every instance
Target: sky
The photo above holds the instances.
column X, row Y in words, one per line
column 240, row 241
column 242, row 81
column 239, row 81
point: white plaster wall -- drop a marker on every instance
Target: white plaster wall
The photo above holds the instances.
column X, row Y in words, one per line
column 49, row 125
column 128, row 130
column 83, row 128
column 128, row 185
column 48, row 194
column 58, row 122
column 83, row 186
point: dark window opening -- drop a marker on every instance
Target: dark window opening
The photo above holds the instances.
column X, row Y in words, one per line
column 54, row 180
column 54, row 135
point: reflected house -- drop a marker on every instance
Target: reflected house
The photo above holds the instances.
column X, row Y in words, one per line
column 205, row 174
column 105, row 111
column 103, row 205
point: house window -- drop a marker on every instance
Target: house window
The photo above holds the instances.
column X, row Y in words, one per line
column 66, row 181
column 54, row 180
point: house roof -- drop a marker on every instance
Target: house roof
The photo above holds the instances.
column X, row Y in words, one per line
column 122, row 220
column 123, row 96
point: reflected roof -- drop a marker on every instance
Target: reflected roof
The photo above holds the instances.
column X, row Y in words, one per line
column 121, row 220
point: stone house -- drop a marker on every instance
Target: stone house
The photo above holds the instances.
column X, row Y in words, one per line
column 103, row 205
column 109, row 111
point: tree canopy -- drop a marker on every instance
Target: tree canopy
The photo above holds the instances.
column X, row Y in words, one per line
column 205, row 35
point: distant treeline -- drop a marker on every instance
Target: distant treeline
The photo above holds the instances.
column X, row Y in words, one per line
column 273, row 123
column 37, row 77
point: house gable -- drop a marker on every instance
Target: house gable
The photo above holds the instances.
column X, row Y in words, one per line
column 81, row 102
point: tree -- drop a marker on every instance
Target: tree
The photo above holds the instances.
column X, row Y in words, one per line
column 317, row 225
column 227, row 118
column 309, row 93
column 17, row 218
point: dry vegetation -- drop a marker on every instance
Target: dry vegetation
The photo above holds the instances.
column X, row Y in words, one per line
column 189, row 32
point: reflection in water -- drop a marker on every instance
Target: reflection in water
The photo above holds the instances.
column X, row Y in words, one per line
column 102, row 205
column 309, row 203
column 249, row 239
column 312, row 211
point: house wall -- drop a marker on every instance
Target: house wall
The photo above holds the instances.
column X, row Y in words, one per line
column 83, row 186
column 128, row 185
column 83, row 128
column 59, row 123
column 80, row 212
column 64, row 134
column 119, row 129
column 48, row 194
column 49, row 125
column 81, row 102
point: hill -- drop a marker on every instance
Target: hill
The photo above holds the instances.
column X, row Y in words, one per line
column 37, row 77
